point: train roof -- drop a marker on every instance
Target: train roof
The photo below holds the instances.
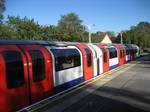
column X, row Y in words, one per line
column 57, row 43
column 45, row 43
column 18, row 42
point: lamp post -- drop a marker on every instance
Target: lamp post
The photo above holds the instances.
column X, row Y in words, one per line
column 121, row 38
column 89, row 28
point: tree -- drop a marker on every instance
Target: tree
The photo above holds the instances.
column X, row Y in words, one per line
column 71, row 27
column 2, row 9
column 139, row 35
column 17, row 28
column 70, row 21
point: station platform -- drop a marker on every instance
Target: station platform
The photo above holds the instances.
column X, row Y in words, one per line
column 124, row 89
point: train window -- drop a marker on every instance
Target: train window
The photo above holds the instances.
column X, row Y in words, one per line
column 38, row 65
column 66, row 58
column 135, row 51
column 115, row 53
column 127, row 51
column 14, row 69
column 89, row 57
column 105, row 55
column 112, row 52
column 121, row 53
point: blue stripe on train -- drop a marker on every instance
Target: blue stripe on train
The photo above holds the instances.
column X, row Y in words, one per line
column 112, row 67
column 68, row 85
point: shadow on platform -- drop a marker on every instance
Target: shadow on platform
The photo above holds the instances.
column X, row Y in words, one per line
column 107, row 99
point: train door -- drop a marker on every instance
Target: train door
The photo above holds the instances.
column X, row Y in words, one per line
column 95, row 63
column 121, row 54
column 127, row 57
column 105, row 59
column 135, row 50
column 124, row 55
column 99, row 59
column 129, row 54
column 105, row 54
column 121, row 59
column 87, row 61
column 40, row 71
column 132, row 54
column 13, row 79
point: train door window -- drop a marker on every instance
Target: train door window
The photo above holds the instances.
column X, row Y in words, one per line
column 66, row 58
column 14, row 69
column 121, row 53
column 111, row 53
column 105, row 55
column 115, row 52
column 89, row 57
column 38, row 65
column 135, row 51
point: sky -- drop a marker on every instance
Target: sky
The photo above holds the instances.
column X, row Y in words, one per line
column 107, row 15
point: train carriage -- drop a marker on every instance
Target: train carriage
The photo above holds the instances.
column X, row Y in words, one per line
column 67, row 66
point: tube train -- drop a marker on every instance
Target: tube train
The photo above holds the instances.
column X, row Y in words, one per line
column 33, row 70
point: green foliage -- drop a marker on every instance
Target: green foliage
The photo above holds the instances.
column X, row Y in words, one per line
column 71, row 21
column 111, row 34
column 27, row 29
column 139, row 35
column 94, row 38
column 23, row 28
column 69, row 28
column 2, row 9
